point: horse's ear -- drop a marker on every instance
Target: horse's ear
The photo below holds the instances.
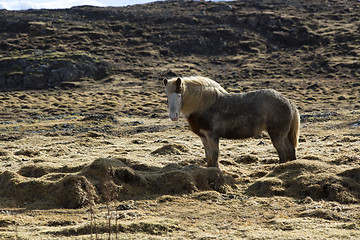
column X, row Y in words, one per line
column 178, row 82
column 165, row 81
column 178, row 85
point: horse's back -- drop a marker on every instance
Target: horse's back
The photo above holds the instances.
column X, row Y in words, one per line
column 252, row 103
column 242, row 115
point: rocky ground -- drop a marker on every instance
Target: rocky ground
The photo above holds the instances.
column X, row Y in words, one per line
column 87, row 150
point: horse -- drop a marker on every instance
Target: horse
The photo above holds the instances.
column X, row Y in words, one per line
column 213, row 113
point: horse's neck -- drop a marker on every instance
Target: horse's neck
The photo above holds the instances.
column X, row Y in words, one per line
column 191, row 104
column 194, row 103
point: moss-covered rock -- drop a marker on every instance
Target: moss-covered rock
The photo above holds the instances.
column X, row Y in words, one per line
column 37, row 69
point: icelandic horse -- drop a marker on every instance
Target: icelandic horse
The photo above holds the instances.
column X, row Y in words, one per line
column 212, row 113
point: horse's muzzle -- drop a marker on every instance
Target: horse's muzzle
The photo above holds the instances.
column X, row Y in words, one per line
column 174, row 116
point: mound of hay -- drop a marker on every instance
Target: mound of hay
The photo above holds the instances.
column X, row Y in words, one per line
column 71, row 191
column 27, row 152
column 35, row 171
column 113, row 179
column 103, row 180
column 176, row 179
column 302, row 178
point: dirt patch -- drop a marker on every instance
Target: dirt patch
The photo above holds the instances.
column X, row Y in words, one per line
column 247, row 159
column 171, row 149
column 302, row 178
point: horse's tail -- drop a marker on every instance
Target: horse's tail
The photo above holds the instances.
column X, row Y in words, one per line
column 294, row 132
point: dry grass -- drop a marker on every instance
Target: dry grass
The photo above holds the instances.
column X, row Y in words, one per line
column 48, row 148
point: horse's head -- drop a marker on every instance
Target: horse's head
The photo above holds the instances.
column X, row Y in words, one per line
column 174, row 98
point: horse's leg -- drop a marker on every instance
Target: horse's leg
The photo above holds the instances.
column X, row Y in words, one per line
column 279, row 144
column 281, row 149
column 206, row 147
column 291, row 151
column 214, row 152
column 212, row 146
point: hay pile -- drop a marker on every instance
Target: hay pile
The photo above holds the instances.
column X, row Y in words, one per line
column 42, row 186
column 103, row 180
column 318, row 180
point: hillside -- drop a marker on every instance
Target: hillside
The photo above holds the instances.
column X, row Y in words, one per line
column 226, row 41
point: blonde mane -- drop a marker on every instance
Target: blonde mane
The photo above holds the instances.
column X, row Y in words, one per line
column 198, row 93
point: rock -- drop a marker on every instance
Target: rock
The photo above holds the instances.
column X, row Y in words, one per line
column 220, row 8
column 313, row 86
column 42, row 70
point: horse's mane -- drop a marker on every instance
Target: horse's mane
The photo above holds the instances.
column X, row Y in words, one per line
column 199, row 93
